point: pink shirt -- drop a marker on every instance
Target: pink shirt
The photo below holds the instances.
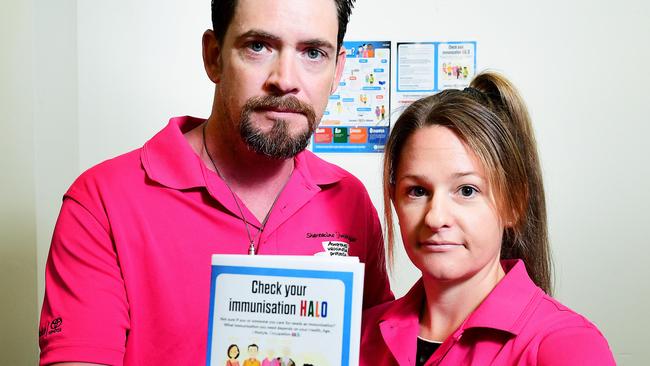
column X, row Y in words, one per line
column 270, row 362
column 128, row 275
column 517, row 324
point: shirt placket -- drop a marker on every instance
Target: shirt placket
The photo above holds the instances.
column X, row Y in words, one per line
column 440, row 354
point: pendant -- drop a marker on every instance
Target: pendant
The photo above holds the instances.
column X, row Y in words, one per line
column 251, row 249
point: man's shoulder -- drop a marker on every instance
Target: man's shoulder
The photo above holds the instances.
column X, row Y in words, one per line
column 326, row 172
column 158, row 154
column 112, row 173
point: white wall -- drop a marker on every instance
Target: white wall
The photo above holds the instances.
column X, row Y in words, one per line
column 139, row 64
column 56, row 134
column 104, row 76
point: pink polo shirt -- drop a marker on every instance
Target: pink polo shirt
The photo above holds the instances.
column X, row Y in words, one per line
column 128, row 274
column 517, row 324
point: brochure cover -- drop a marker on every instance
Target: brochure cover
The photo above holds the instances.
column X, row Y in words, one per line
column 284, row 310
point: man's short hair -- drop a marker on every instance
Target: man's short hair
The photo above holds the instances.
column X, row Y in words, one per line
column 253, row 345
column 224, row 10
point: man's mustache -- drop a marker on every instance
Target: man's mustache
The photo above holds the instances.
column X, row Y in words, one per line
column 288, row 104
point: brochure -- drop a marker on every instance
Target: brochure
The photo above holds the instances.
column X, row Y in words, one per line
column 284, row 310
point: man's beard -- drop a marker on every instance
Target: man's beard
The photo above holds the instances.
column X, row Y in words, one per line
column 276, row 143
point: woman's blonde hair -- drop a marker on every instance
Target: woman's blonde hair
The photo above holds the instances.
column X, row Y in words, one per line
column 492, row 119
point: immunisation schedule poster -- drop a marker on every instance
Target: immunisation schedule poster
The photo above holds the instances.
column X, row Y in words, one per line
column 357, row 115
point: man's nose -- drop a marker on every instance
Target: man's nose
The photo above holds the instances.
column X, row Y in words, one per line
column 283, row 75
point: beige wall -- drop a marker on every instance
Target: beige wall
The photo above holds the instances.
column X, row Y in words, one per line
column 18, row 307
column 39, row 156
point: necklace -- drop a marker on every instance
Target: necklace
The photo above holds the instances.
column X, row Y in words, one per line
column 251, row 243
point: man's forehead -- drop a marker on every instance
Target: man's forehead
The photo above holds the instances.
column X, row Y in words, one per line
column 289, row 20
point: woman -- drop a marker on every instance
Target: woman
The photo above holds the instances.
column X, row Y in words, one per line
column 233, row 353
column 462, row 172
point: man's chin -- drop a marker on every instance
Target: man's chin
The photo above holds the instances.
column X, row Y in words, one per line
column 276, row 139
column 277, row 146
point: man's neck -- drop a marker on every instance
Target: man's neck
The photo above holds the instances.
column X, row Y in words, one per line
column 256, row 179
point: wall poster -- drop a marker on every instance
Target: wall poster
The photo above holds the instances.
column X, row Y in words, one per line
column 425, row 68
column 357, row 115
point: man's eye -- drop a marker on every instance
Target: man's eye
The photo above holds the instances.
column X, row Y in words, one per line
column 467, row 191
column 417, row 192
column 314, row 53
column 256, row 46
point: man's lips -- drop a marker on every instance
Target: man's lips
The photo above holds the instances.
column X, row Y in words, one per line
column 280, row 110
column 281, row 114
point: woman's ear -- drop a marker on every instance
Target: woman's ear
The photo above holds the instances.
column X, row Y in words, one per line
column 511, row 220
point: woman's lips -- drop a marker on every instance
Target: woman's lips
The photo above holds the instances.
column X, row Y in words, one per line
column 440, row 246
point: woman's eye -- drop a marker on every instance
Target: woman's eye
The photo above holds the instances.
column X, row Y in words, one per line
column 467, row 191
column 256, row 46
column 417, row 192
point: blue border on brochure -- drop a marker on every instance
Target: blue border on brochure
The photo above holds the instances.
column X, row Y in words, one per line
column 345, row 277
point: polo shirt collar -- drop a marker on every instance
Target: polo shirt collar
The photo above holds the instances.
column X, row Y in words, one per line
column 506, row 308
column 169, row 160
column 400, row 324
column 510, row 303
column 317, row 171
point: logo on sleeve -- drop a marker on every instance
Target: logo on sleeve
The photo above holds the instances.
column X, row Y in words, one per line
column 55, row 326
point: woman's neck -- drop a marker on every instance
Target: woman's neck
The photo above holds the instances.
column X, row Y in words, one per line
column 449, row 303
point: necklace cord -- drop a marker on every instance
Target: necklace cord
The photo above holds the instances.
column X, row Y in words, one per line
column 252, row 247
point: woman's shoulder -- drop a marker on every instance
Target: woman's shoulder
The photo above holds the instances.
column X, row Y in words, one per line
column 552, row 316
column 564, row 337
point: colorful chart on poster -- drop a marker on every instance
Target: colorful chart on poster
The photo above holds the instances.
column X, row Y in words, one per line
column 424, row 68
column 357, row 115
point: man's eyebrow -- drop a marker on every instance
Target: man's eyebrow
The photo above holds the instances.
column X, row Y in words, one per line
column 259, row 34
column 263, row 35
column 318, row 43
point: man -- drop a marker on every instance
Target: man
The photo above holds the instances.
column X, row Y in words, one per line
column 252, row 356
column 127, row 279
